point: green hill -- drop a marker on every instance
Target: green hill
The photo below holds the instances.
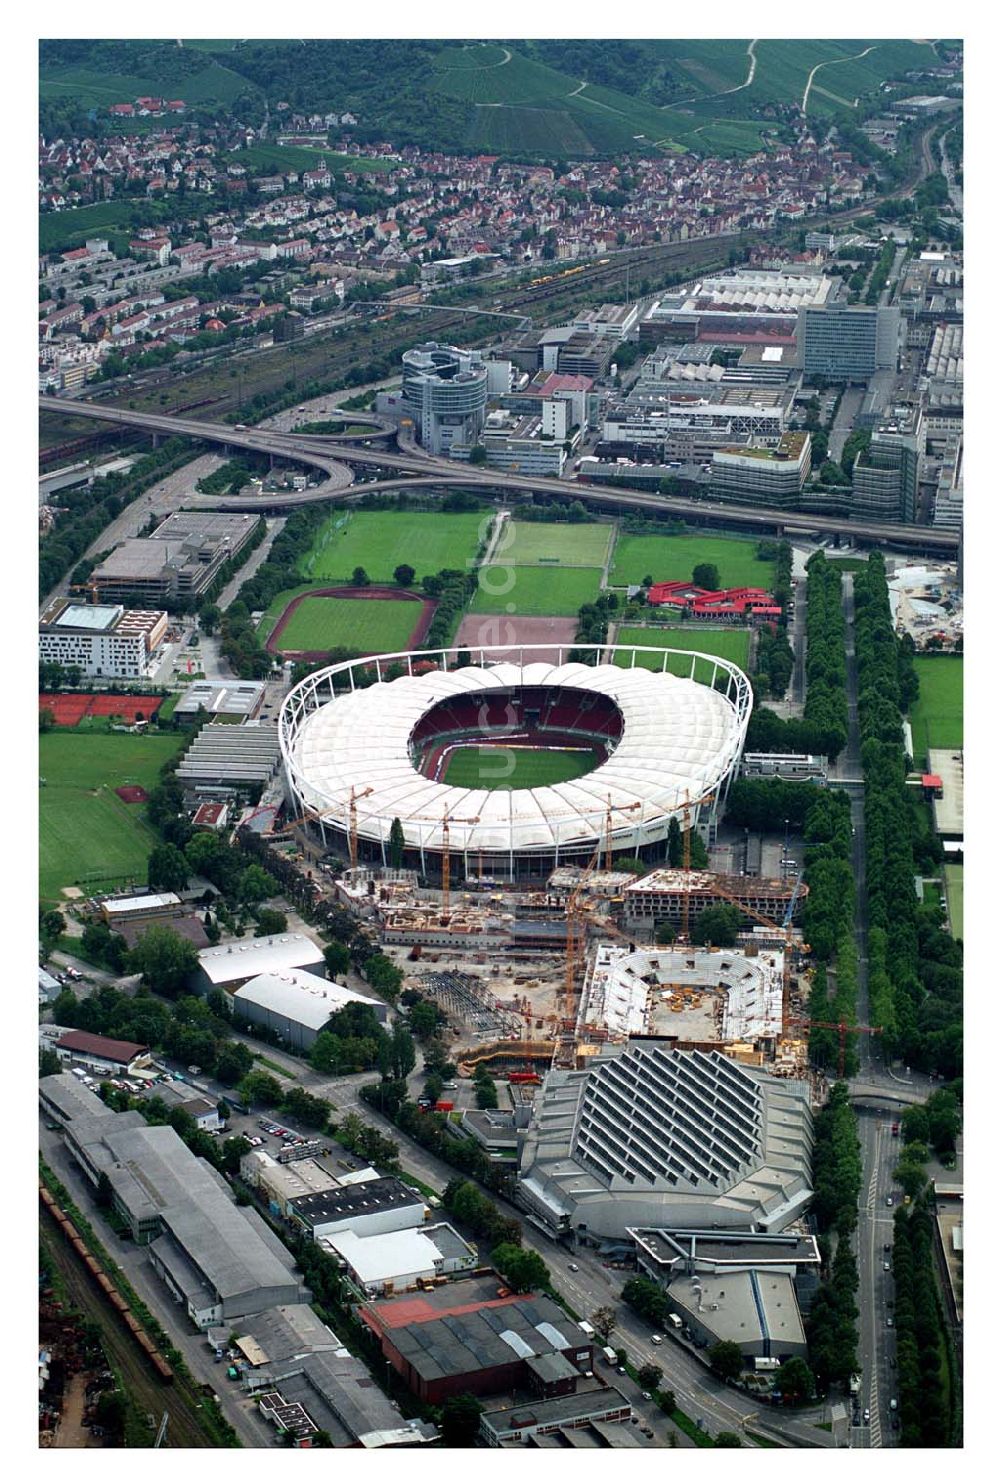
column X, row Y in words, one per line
column 532, row 99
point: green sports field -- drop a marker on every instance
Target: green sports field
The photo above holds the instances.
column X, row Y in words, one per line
column 85, row 830
column 365, row 626
column 380, row 541
column 637, row 555
column 731, row 645
column 936, row 717
column 569, row 545
column 485, row 766
column 528, row 590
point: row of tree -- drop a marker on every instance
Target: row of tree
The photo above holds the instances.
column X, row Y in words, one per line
column 84, row 517
column 832, row 1327
column 775, row 662
column 924, row 1413
column 916, row 972
column 826, row 662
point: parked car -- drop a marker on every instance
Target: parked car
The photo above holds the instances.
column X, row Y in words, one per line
column 867, row 1416
column 656, row 1339
column 886, row 1266
column 888, row 1322
column 572, row 1266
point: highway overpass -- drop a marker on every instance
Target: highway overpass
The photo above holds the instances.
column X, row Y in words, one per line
column 325, row 453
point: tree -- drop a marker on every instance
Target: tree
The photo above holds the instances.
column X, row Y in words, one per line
column 208, row 618
column 460, row 1420
column 675, row 842
column 666, row 933
column 523, row 1270
column 477, row 456
column 46, row 720
column 110, row 1412
column 49, row 1063
column 404, row 575
column 256, row 885
column 338, row 959
column 604, row 1321
column 167, row 869
column 727, row 1440
column 425, row 1019
column 263, row 1088
column 164, row 960
column 51, row 926
column 718, row 925
column 726, row 1358
column 649, row 1376
column 383, row 975
column 397, row 1055
column 795, row 1380
column 359, row 578
column 705, row 576
column 397, row 842
column 233, row 1062
column 271, row 921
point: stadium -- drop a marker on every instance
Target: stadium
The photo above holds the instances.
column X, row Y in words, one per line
column 510, row 764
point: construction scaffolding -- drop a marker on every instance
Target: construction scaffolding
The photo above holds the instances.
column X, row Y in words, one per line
column 465, row 995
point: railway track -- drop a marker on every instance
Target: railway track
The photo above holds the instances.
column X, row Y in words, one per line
column 136, row 1372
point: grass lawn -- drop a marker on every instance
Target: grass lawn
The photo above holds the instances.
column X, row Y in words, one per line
column 639, row 554
column 936, row 717
column 380, row 541
column 954, row 882
column 360, row 625
column 534, row 590
column 487, row 766
column 85, row 830
column 731, row 645
column 583, row 545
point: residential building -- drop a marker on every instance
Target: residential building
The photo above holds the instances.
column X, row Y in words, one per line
column 763, row 476
column 102, row 640
column 847, row 344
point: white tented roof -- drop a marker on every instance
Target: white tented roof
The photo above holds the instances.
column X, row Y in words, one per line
column 298, row 996
column 246, row 958
column 679, row 740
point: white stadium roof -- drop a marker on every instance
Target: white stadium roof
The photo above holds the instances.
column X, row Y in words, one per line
column 680, row 740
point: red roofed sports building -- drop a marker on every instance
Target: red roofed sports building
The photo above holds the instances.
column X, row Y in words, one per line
column 717, row 604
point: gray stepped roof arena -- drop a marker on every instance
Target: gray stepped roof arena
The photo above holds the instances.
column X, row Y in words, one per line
column 667, row 745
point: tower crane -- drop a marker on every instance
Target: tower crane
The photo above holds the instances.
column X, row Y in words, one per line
column 609, row 827
column 352, row 822
column 843, row 1031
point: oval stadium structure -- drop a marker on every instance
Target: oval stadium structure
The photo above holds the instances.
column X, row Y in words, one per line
column 645, row 735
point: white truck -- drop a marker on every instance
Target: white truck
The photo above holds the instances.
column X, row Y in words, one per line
column 610, row 1357
column 675, row 1322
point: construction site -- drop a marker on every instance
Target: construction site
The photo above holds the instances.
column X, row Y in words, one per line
column 536, row 978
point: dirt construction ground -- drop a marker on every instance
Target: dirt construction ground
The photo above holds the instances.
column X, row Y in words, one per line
column 509, row 630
